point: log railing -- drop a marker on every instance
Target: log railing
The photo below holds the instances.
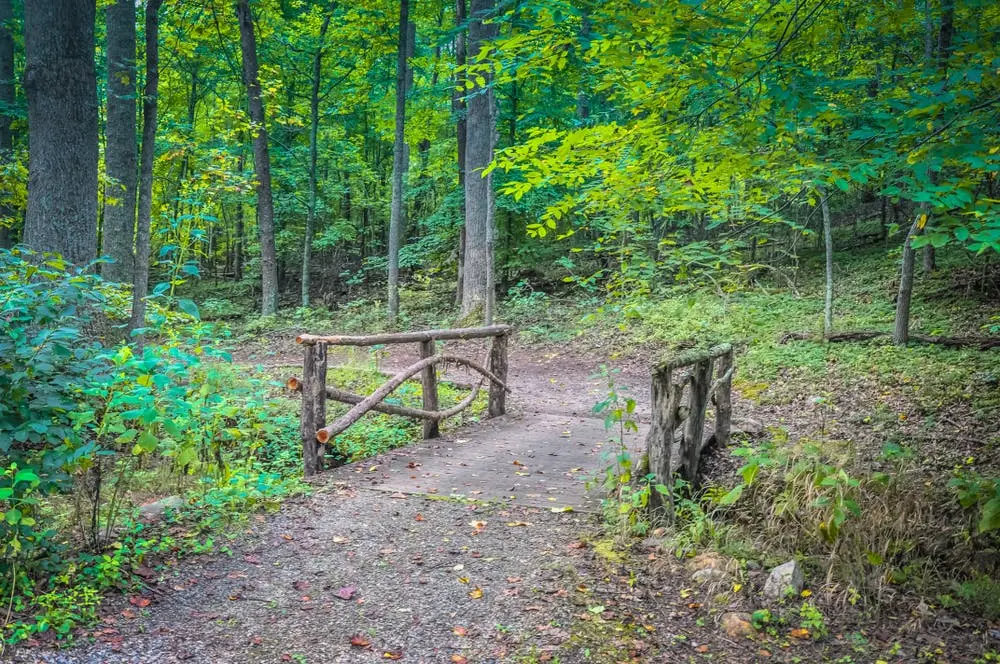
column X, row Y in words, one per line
column 316, row 433
column 677, row 437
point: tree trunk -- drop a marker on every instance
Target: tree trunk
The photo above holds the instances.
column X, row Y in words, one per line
column 399, row 165
column 6, row 108
column 262, row 162
column 901, row 330
column 459, row 110
column 121, row 152
column 140, row 280
column 828, row 240
column 60, row 82
column 479, row 153
column 313, row 160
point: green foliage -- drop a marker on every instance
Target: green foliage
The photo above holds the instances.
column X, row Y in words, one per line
column 981, row 495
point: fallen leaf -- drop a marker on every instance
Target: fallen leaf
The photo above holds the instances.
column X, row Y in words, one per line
column 141, row 602
column 800, row 633
column 558, row 510
column 300, row 585
column 287, row 537
column 478, row 525
column 515, row 524
column 463, row 579
column 460, row 631
column 419, row 517
column 360, row 641
column 337, row 539
column 129, row 613
column 476, row 593
column 252, row 559
column 513, row 579
column 347, row 592
column 458, row 659
column 393, row 654
column 702, row 648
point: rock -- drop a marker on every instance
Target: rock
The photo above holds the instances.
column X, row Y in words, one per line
column 708, row 574
column 747, row 428
column 155, row 511
column 784, row 580
column 655, row 543
column 737, row 625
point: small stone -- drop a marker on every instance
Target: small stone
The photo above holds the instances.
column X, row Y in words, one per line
column 708, row 574
column 747, row 428
column 155, row 511
column 737, row 625
column 784, row 580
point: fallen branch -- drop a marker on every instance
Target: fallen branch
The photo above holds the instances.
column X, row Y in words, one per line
column 295, row 385
column 981, row 343
column 369, row 402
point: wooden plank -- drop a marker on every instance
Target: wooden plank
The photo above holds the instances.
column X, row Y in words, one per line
column 498, row 367
column 406, row 337
column 428, row 381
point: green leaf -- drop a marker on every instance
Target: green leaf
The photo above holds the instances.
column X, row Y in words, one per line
column 990, row 518
column 733, row 495
column 190, row 308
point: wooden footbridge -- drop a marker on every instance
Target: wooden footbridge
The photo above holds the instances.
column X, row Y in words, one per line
column 543, row 452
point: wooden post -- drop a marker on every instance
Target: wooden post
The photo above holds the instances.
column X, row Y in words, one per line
column 428, row 380
column 319, row 400
column 724, row 400
column 659, row 442
column 308, row 426
column 701, row 381
column 498, row 367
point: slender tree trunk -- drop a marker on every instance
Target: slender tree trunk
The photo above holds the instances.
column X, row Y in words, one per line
column 479, row 153
column 399, row 165
column 901, row 330
column 240, row 249
column 140, row 280
column 262, row 162
column 313, row 160
column 6, row 108
column 828, row 239
column 60, row 82
column 459, row 110
column 121, row 153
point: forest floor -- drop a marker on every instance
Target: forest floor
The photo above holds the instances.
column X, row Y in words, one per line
column 368, row 569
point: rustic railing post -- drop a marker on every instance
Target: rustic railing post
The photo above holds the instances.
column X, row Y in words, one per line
column 724, row 400
column 498, row 367
column 659, row 443
column 428, row 380
column 319, row 400
column 308, row 426
column 694, row 432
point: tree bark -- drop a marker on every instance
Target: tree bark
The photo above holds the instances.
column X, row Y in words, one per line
column 60, row 82
column 262, row 162
column 459, row 110
column 901, row 329
column 313, row 160
column 6, row 109
column 399, row 165
column 479, row 154
column 828, row 241
column 140, row 279
column 121, row 152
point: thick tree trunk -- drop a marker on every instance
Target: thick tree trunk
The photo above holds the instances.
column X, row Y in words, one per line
column 262, row 162
column 140, row 280
column 60, row 82
column 121, row 152
column 901, row 330
column 6, row 108
column 459, row 110
column 399, row 163
column 828, row 241
column 313, row 160
column 479, row 153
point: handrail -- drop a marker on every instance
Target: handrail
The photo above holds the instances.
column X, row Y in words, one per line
column 405, row 337
column 316, row 433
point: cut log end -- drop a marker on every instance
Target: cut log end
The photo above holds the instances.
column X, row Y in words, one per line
column 293, row 384
column 322, row 436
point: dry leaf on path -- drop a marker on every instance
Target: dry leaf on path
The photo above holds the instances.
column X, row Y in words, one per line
column 476, row 593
